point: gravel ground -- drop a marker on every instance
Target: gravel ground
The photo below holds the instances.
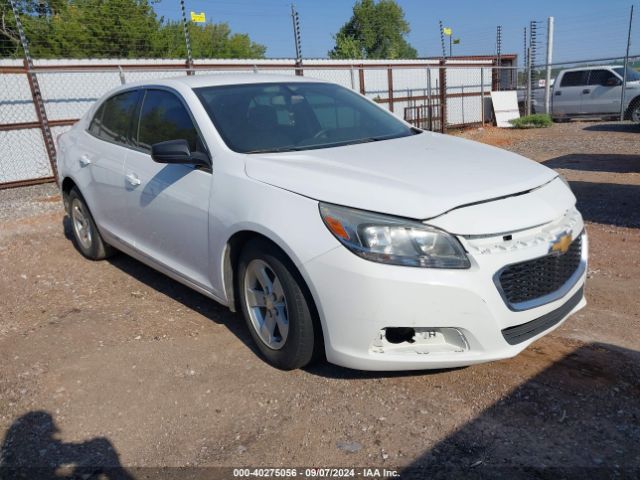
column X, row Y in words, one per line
column 27, row 202
column 112, row 364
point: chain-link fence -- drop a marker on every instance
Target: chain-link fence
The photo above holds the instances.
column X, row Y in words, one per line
column 57, row 58
column 423, row 93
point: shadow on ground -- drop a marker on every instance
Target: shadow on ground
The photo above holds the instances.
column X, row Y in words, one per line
column 30, row 450
column 186, row 296
column 597, row 162
column 579, row 418
column 608, row 203
column 622, row 127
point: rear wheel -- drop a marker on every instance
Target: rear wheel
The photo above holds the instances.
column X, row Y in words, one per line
column 275, row 306
column 85, row 233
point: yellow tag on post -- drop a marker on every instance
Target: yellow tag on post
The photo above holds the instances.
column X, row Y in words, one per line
column 446, row 30
column 198, row 17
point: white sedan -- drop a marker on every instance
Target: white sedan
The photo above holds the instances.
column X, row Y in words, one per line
column 336, row 228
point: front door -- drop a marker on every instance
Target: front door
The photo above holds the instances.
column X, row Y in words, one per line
column 605, row 90
column 168, row 204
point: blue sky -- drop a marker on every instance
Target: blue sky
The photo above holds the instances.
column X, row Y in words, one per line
column 584, row 29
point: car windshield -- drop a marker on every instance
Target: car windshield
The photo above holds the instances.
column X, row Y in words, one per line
column 632, row 75
column 270, row 117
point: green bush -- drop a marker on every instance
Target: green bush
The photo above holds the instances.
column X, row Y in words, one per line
column 539, row 120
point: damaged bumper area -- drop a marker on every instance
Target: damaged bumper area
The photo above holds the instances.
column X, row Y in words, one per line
column 386, row 317
column 419, row 340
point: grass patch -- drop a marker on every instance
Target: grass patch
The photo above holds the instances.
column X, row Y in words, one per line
column 539, row 120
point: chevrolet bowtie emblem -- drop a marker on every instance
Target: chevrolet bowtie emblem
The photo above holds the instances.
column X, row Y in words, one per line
column 561, row 244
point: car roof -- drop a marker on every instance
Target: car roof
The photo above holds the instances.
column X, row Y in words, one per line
column 217, row 79
column 593, row 67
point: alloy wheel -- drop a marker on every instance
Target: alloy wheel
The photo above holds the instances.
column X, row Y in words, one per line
column 266, row 304
column 81, row 224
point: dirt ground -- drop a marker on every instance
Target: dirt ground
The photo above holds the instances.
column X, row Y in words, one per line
column 112, row 364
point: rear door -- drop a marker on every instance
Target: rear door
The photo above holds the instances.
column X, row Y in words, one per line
column 605, row 90
column 169, row 204
column 101, row 153
column 567, row 95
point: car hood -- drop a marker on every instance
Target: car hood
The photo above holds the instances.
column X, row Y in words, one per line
column 420, row 176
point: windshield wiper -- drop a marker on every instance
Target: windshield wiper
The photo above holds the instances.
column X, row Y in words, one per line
column 275, row 150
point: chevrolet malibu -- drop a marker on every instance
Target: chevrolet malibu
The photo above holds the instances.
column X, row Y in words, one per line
column 336, row 228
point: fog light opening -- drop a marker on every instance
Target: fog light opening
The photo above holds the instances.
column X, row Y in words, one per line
column 400, row 334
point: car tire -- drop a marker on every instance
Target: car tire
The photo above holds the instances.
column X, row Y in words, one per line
column 86, row 236
column 633, row 112
column 276, row 306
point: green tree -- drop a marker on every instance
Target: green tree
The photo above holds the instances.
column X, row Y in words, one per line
column 212, row 40
column 113, row 29
column 375, row 30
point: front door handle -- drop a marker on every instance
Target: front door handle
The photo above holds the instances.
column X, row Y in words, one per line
column 133, row 179
column 558, row 92
column 84, row 161
column 586, row 90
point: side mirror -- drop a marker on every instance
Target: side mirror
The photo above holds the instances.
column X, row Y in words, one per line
column 177, row 151
column 613, row 82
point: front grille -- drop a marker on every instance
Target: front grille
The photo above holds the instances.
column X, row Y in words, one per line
column 533, row 279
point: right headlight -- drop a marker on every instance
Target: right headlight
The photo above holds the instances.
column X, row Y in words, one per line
column 397, row 241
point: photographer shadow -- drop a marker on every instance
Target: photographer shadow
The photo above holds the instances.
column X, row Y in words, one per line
column 30, row 450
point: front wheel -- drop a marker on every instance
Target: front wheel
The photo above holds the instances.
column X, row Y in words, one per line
column 275, row 306
column 633, row 113
column 86, row 236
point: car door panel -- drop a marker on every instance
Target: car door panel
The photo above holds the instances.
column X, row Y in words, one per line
column 567, row 95
column 168, row 203
column 602, row 98
column 101, row 152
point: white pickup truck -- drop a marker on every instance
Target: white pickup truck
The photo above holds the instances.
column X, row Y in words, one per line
column 591, row 92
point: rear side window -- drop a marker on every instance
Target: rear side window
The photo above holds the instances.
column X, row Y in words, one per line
column 600, row 77
column 96, row 123
column 114, row 118
column 575, row 79
column 164, row 117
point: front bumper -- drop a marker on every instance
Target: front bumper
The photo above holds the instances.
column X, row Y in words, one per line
column 357, row 299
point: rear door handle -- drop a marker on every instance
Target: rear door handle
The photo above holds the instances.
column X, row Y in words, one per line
column 84, row 160
column 558, row 92
column 133, row 179
column 586, row 90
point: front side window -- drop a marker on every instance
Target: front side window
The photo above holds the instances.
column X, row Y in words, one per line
column 163, row 117
column 116, row 117
column 601, row 77
column 575, row 79
column 269, row 117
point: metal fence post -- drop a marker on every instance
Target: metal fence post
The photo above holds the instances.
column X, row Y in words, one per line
column 390, row 87
column 36, row 94
column 626, row 66
column 187, row 39
column 482, row 95
column 429, row 108
column 443, row 97
column 123, row 80
column 495, row 84
column 297, row 39
column 528, row 104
